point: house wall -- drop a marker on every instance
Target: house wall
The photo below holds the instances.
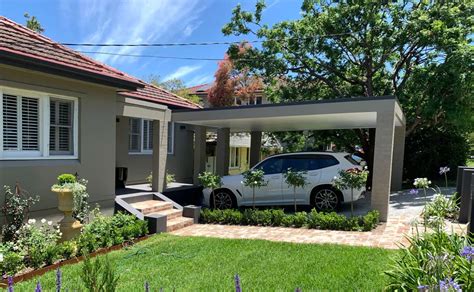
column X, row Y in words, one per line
column 96, row 161
column 180, row 163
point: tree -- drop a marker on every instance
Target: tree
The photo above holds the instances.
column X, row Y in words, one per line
column 176, row 86
column 295, row 179
column 254, row 178
column 368, row 48
column 231, row 83
column 33, row 23
column 212, row 182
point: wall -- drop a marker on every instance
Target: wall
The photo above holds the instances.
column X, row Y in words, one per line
column 180, row 163
column 96, row 161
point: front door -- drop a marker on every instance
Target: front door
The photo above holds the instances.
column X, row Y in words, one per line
column 271, row 192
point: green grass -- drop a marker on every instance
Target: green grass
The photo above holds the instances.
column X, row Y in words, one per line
column 209, row 264
column 470, row 162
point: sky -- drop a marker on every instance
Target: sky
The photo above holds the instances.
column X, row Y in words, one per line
column 142, row 21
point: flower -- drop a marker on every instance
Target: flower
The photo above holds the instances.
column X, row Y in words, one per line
column 50, row 223
column 237, row 283
column 468, row 252
column 147, row 287
column 43, row 221
column 10, row 284
column 422, row 183
column 1, row 257
column 422, row 288
column 58, row 280
column 38, row 287
column 31, row 221
column 443, row 170
column 445, row 286
column 413, row 192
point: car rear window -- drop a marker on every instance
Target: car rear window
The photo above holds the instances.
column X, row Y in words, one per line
column 352, row 159
column 308, row 162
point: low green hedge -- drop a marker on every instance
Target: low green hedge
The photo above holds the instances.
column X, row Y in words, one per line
column 277, row 217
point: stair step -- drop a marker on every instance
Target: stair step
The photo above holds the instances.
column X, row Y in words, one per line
column 178, row 223
column 152, row 206
column 170, row 213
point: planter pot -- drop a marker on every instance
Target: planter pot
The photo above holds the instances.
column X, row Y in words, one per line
column 68, row 226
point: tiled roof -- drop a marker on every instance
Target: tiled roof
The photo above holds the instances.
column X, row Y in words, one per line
column 18, row 40
column 156, row 94
column 200, row 88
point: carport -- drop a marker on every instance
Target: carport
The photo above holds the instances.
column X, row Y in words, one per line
column 382, row 113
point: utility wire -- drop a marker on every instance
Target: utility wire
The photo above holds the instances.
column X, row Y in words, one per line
column 152, row 56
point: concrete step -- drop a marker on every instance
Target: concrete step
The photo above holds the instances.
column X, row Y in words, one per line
column 170, row 213
column 178, row 223
column 152, row 206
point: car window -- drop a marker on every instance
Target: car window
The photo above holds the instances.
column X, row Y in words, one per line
column 271, row 166
column 296, row 163
column 324, row 161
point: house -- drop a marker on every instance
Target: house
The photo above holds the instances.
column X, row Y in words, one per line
column 239, row 160
column 63, row 112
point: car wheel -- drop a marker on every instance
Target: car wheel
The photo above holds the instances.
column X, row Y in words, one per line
column 224, row 199
column 326, row 199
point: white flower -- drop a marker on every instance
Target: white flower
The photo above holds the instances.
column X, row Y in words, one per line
column 1, row 257
column 50, row 223
column 31, row 221
column 43, row 221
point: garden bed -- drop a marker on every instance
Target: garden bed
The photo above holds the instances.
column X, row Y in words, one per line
column 277, row 217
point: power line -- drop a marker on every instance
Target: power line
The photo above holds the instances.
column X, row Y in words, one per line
column 151, row 56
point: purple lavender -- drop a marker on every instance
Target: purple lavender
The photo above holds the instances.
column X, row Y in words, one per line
column 449, row 285
column 147, row 287
column 413, row 192
column 298, row 289
column 58, row 280
column 468, row 252
column 237, row 283
column 423, row 288
column 443, row 170
column 10, row 284
column 38, row 287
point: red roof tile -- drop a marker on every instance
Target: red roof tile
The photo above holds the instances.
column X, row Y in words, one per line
column 156, row 94
column 21, row 41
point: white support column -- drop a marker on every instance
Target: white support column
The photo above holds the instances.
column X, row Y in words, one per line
column 398, row 156
column 255, row 147
column 160, row 153
column 383, row 155
column 199, row 152
column 222, row 151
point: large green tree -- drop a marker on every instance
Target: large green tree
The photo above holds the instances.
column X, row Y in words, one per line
column 418, row 50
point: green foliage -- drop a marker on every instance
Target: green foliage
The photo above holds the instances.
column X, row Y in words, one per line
column 276, row 217
column 254, row 178
column 210, row 180
column 428, row 259
column 170, row 178
column 15, row 210
column 99, row 275
column 33, row 23
column 12, row 261
column 295, row 179
column 350, row 179
column 66, row 178
column 68, row 249
column 176, row 86
column 442, row 207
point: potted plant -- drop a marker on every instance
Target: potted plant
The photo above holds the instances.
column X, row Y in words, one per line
column 210, row 181
column 353, row 178
column 255, row 179
column 65, row 188
column 295, row 179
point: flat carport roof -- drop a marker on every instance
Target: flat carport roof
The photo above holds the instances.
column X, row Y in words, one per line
column 382, row 113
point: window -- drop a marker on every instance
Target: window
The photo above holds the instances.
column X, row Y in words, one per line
column 234, row 157
column 271, row 165
column 140, row 136
column 170, row 137
column 35, row 125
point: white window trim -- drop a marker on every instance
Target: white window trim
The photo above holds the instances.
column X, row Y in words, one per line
column 238, row 165
column 43, row 153
column 142, row 150
column 171, row 139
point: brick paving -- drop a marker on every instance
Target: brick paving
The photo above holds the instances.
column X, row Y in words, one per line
column 386, row 235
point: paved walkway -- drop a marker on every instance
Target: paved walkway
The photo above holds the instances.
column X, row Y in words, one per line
column 404, row 209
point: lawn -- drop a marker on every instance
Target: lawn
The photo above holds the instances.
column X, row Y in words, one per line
column 209, row 264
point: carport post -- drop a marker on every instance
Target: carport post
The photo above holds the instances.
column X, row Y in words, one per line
column 160, row 153
column 222, row 151
column 383, row 155
column 255, row 147
column 199, row 152
column 398, row 156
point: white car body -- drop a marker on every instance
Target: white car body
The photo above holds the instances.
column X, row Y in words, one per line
column 277, row 192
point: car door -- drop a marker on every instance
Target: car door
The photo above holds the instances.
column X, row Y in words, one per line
column 309, row 166
column 271, row 192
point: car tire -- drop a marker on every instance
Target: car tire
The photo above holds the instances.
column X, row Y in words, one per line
column 225, row 199
column 326, row 199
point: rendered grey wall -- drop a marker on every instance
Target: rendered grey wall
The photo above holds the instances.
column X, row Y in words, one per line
column 96, row 161
column 180, row 163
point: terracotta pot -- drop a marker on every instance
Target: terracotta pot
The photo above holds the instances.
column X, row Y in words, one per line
column 68, row 226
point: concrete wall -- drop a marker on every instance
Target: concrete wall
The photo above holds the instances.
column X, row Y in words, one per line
column 180, row 163
column 96, row 161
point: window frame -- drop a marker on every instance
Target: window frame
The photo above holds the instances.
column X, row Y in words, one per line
column 142, row 150
column 235, row 157
column 44, row 126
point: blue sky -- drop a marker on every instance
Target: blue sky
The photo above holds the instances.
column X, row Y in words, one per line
column 141, row 21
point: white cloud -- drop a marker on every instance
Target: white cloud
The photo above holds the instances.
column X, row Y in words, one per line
column 182, row 71
column 135, row 22
column 200, row 79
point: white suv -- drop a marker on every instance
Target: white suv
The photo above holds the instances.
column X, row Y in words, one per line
column 320, row 169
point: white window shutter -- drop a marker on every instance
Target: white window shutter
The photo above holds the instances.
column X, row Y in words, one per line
column 29, row 124
column 10, row 122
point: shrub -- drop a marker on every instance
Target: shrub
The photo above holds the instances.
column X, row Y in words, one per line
column 288, row 220
column 370, row 220
column 300, row 219
column 12, row 262
column 99, row 275
column 66, row 178
column 68, row 249
column 443, row 207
